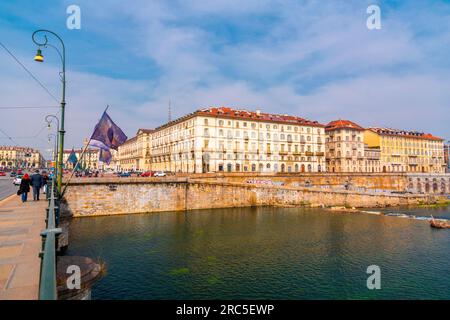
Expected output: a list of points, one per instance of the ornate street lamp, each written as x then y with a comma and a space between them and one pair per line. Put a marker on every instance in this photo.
40, 58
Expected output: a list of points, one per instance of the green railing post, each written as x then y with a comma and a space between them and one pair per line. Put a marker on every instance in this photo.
47, 283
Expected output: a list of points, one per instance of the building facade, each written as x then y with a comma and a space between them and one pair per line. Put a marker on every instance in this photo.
20, 157
225, 139
346, 150
87, 161
135, 153
447, 157
407, 151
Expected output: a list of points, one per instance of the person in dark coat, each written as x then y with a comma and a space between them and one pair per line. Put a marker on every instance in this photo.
24, 187
36, 182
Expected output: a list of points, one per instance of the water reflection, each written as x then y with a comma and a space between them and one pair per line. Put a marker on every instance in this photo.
264, 253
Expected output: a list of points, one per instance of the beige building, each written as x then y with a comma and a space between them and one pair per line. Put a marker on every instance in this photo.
345, 147
90, 159
372, 159
226, 139
346, 150
20, 157
135, 153
407, 151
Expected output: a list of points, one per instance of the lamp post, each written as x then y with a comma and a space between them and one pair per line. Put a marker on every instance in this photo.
48, 119
40, 58
55, 149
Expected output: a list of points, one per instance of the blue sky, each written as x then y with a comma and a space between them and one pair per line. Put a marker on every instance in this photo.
314, 59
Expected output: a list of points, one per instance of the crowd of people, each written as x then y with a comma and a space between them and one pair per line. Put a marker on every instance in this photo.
35, 182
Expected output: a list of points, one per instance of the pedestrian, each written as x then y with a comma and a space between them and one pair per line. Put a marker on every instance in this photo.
24, 187
36, 182
45, 181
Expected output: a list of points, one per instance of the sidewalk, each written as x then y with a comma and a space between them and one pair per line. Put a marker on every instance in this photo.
20, 244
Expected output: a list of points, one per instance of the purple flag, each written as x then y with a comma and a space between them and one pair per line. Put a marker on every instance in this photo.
107, 134
105, 156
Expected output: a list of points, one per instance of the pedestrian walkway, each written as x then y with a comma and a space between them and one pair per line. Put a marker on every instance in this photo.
20, 244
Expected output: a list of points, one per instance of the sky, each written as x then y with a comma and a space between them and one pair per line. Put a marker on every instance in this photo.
313, 59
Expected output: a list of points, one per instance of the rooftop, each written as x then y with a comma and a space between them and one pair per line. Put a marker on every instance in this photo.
17, 148
227, 112
404, 133
342, 124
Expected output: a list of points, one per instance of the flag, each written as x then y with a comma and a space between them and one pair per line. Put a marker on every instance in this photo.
72, 157
107, 135
105, 156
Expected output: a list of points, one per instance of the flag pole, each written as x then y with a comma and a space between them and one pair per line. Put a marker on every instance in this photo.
81, 157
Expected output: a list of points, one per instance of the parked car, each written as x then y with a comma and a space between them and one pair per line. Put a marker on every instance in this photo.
12, 174
124, 174
2, 174
18, 179
160, 174
147, 174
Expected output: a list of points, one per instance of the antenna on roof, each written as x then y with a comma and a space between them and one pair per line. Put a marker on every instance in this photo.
170, 111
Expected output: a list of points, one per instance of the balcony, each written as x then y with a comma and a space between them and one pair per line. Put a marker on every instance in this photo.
309, 153
320, 154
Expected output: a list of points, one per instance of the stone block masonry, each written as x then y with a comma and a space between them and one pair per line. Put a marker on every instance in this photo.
109, 196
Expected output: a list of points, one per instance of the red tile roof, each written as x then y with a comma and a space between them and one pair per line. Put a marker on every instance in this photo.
405, 134
16, 148
230, 113
342, 124
257, 116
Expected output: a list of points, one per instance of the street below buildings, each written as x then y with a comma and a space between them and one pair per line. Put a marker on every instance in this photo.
6, 187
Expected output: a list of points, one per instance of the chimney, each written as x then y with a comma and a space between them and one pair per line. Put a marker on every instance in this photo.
258, 112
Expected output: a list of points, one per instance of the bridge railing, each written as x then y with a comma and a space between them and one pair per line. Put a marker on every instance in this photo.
47, 283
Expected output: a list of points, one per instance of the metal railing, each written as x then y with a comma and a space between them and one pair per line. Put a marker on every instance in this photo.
47, 283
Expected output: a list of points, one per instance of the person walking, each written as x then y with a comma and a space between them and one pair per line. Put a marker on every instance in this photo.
36, 182
45, 181
24, 187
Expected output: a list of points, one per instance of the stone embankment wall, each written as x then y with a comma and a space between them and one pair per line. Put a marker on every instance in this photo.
108, 196
385, 181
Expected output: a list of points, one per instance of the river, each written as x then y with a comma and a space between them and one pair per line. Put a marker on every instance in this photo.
266, 253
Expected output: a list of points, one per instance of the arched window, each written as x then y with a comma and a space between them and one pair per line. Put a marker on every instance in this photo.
309, 168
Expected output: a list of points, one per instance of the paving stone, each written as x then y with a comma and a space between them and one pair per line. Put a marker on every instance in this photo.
20, 244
